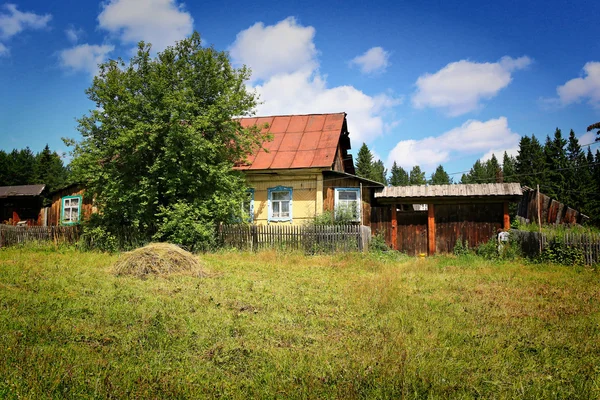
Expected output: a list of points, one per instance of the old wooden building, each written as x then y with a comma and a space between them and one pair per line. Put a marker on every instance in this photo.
21, 204
473, 213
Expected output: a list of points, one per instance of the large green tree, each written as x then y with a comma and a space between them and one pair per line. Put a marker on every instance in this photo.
379, 172
50, 170
399, 176
158, 149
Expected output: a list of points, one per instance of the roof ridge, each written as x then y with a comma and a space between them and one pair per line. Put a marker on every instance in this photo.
292, 115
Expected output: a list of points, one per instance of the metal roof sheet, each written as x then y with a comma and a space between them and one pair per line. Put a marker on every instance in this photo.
470, 190
299, 141
22, 190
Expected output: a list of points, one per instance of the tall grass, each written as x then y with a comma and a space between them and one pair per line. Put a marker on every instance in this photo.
286, 325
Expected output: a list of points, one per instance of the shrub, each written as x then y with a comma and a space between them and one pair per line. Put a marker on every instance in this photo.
187, 226
378, 244
558, 253
461, 248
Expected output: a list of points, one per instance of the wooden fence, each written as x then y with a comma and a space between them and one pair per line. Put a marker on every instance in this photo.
587, 243
311, 239
11, 235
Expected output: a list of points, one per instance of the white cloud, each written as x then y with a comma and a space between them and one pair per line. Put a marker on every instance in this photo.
16, 21
160, 22
374, 60
283, 48
295, 86
587, 138
472, 137
459, 87
74, 34
500, 154
587, 87
85, 57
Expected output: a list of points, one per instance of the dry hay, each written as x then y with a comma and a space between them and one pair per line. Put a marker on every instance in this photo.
158, 259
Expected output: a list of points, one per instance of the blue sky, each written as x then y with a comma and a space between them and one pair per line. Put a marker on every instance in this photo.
428, 83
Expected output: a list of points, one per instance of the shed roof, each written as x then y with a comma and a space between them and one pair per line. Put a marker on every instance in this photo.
21, 191
470, 190
299, 141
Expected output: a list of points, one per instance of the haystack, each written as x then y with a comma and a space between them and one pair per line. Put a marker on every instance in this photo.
158, 259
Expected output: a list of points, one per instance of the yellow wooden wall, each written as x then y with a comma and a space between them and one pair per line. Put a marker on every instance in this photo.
307, 195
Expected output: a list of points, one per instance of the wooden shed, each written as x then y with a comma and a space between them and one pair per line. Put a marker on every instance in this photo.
429, 219
21, 204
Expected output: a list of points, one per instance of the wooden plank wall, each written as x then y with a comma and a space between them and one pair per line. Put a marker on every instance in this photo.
552, 211
55, 207
366, 196
381, 223
412, 232
475, 223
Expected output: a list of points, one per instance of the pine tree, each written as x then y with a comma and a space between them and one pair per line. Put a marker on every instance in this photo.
379, 172
4, 169
508, 168
556, 163
492, 170
50, 170
364, 162
440, 177
399, 176
529, 163
417, 177
477, 174
22, 166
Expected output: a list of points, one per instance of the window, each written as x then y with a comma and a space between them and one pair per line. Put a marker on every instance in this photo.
71, 210
347, 203
280, 203
248, 205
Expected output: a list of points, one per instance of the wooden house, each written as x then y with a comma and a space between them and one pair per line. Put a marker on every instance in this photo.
305, 170
68, 206
473, 213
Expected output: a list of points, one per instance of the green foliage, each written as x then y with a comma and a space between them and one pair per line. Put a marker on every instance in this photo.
189, 226
399, 176
492, 250
417, 177
364, 162
378, 244
341, 216
461, 247
23, 167
557, 252
368, 168
379, 172
440, 177
162, 140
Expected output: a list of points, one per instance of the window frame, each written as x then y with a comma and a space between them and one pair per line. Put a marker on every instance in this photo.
277, 189
250, 194
358, 201
62, 209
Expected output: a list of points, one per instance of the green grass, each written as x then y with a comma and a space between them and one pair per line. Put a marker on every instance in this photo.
277, 325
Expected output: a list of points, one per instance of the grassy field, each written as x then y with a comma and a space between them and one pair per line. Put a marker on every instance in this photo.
282, 325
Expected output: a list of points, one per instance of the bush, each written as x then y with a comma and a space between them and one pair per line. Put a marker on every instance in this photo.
378, 244
461, 248
558, 253
185, 225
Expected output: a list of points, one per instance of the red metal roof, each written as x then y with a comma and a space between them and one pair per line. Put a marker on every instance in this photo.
299, 141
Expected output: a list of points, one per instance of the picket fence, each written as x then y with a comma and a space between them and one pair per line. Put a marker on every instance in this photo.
587, 243
309, 238
12, 235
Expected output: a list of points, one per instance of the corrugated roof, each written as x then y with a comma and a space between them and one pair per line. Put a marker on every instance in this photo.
299, 141
471, 190
22, 190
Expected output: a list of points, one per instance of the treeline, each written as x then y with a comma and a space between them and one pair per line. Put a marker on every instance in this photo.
24, 167
368, 168
560, 166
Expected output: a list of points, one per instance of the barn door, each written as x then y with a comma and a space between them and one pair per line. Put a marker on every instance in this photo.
412, 232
